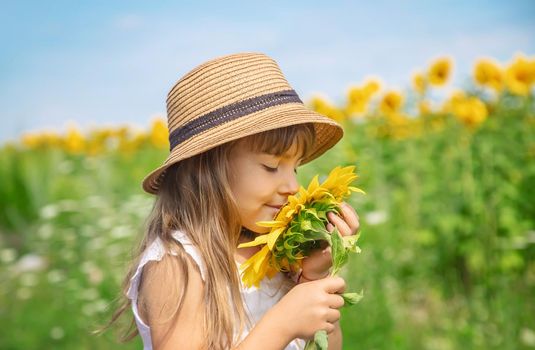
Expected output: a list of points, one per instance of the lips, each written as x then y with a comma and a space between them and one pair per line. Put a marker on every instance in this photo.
274, 206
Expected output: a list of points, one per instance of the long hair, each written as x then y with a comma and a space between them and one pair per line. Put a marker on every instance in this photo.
195, 198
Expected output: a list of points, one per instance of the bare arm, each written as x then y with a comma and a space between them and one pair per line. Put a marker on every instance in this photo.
161, 290
299, 314
307, 308
335, 338
159, 294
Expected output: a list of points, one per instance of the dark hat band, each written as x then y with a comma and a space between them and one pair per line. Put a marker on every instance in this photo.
230, 112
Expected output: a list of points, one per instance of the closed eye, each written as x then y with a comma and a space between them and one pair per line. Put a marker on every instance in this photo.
270, 169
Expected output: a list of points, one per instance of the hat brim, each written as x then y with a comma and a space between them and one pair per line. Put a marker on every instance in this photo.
328, 133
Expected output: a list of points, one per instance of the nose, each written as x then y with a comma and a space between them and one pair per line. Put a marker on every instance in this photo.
289, 185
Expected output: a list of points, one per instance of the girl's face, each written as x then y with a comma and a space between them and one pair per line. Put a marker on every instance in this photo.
262, 182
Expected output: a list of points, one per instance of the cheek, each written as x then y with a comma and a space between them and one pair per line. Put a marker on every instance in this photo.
252, 186
249, 200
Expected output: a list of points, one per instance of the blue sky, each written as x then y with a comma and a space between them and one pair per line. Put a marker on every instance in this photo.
112, 62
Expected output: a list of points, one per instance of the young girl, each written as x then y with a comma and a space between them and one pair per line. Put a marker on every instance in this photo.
237, 134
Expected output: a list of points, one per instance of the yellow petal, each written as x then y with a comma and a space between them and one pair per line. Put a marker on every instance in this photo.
313, 184
356, 189
260, 259
273, 235
276, 223
257, 241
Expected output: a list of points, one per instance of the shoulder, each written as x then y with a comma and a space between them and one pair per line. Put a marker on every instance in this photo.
168, 279
171, 297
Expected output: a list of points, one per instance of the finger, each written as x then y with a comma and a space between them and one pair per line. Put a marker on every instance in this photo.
324, 251
333, 315
350, 216
350, 208
329, 227
336, 301
334, 284
340, 224
328, 327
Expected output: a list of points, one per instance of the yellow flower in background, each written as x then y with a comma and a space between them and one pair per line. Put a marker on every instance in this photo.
128, 144
74, 142
357, 102
51, 138
99, 140
371, 87
44, 139
488, 73
419, 83
391, 103
424, 107
121, 132
399, 126
520, 76
96, 141
440, 71
358, 98
323, 107
31, 140
159, 135
470, 111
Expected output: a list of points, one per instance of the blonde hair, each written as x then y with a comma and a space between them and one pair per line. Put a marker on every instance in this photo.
195, 198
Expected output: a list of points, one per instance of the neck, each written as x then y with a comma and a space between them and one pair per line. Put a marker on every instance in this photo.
248, 234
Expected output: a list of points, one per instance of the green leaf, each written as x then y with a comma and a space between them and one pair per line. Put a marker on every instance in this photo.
321, 340
311, 213
338, 252
316, 236
319, 226
350, 243
306, 225
310, 345
288, 246
352, 298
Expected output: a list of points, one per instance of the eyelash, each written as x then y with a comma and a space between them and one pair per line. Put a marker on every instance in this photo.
270, 169
274, 170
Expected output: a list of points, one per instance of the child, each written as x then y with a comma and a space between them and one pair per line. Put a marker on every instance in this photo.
237, 133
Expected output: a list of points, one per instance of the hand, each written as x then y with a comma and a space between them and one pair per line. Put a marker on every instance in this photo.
310, 307
348, 224
318, 263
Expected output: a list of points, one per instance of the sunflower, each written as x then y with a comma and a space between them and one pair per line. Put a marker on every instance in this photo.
440, 71
159, 135
489, 73
391, 103
419, 82
469, 110
520, 76
298, 227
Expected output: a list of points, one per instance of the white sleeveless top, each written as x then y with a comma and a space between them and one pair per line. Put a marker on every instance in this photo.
257, 300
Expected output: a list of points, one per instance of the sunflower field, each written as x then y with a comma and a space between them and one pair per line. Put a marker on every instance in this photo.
447, 225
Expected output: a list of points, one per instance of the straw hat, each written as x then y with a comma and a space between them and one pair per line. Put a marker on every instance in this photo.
231, 97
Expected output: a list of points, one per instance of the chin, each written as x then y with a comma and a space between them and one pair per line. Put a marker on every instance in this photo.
258, 229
